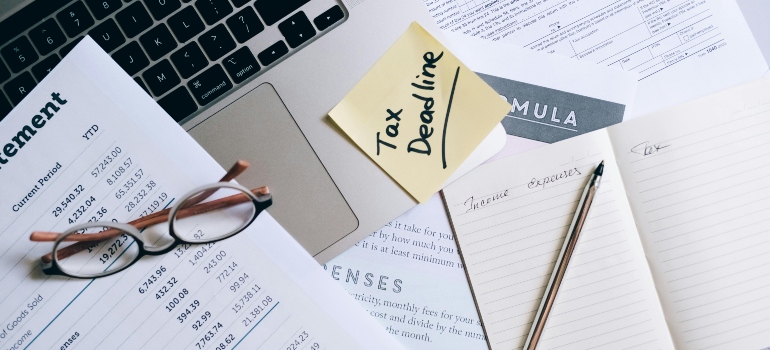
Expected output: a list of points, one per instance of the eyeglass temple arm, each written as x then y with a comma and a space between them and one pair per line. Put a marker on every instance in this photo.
238, 168
86, 240
42, 236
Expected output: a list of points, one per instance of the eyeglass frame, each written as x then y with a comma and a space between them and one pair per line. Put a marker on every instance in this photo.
260, 204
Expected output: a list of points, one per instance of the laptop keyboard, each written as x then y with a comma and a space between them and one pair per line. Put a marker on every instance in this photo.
184, 53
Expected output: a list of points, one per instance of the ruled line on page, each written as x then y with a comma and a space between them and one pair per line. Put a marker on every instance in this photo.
702, 205
509, 248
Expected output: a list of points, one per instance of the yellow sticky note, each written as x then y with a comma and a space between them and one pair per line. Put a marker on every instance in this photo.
419, 112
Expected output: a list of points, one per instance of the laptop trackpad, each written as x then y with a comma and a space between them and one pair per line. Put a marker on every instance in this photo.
258, 128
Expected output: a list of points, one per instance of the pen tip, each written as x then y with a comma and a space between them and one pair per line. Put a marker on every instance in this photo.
599, 169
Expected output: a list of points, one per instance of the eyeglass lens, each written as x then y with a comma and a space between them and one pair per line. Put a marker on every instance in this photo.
215, 224
100, 258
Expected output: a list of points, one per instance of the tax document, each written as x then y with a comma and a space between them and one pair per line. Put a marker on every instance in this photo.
88, 144
681, 49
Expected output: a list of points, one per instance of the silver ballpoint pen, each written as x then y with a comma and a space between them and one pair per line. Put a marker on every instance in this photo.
560, 268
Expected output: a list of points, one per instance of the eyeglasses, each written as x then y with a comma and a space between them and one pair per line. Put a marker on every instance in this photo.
98, 249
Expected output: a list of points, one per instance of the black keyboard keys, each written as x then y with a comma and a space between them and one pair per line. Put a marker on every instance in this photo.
186, 24
217, 42
241, 65
107, 35
19, 87
189, 60
134, 19
214, 10
19, 54
158, 41
273, 53
162, 8
161, 77
273, 11
4, 73
5, 107
297, 29
103, 8
131, 58
75, 19
239, 3
45, 66
47, 36
209, 85
245, 24
329, 17
178, 104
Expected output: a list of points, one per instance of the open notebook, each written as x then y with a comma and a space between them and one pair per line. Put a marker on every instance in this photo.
676, 251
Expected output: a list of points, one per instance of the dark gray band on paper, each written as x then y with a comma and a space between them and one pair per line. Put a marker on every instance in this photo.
549, 115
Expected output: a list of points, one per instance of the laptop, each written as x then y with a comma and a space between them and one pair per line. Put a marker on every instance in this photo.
248, 79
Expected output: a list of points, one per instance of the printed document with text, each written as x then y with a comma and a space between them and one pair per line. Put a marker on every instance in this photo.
88, 144
681, 49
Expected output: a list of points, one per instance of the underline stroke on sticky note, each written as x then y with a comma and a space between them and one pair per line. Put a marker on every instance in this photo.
389, 113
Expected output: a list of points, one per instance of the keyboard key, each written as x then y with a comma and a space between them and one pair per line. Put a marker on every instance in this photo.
273, 53
19, 54
329, 17
186, 24
297, 29
178, 104
217, 42
47, 36
75, 19
5, 107
139, 81
189, 60
245, 24
209, 85
214, 10
107, 35
131, 58
45, 66
239, 3
134, 19
162, 8
241, 65
158, 42
103, 8
161, 77
67, 48
19, 87
273, 11
4, 73
26, 17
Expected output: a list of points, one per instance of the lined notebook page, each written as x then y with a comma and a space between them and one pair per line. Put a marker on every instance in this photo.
698, 179
510, 218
